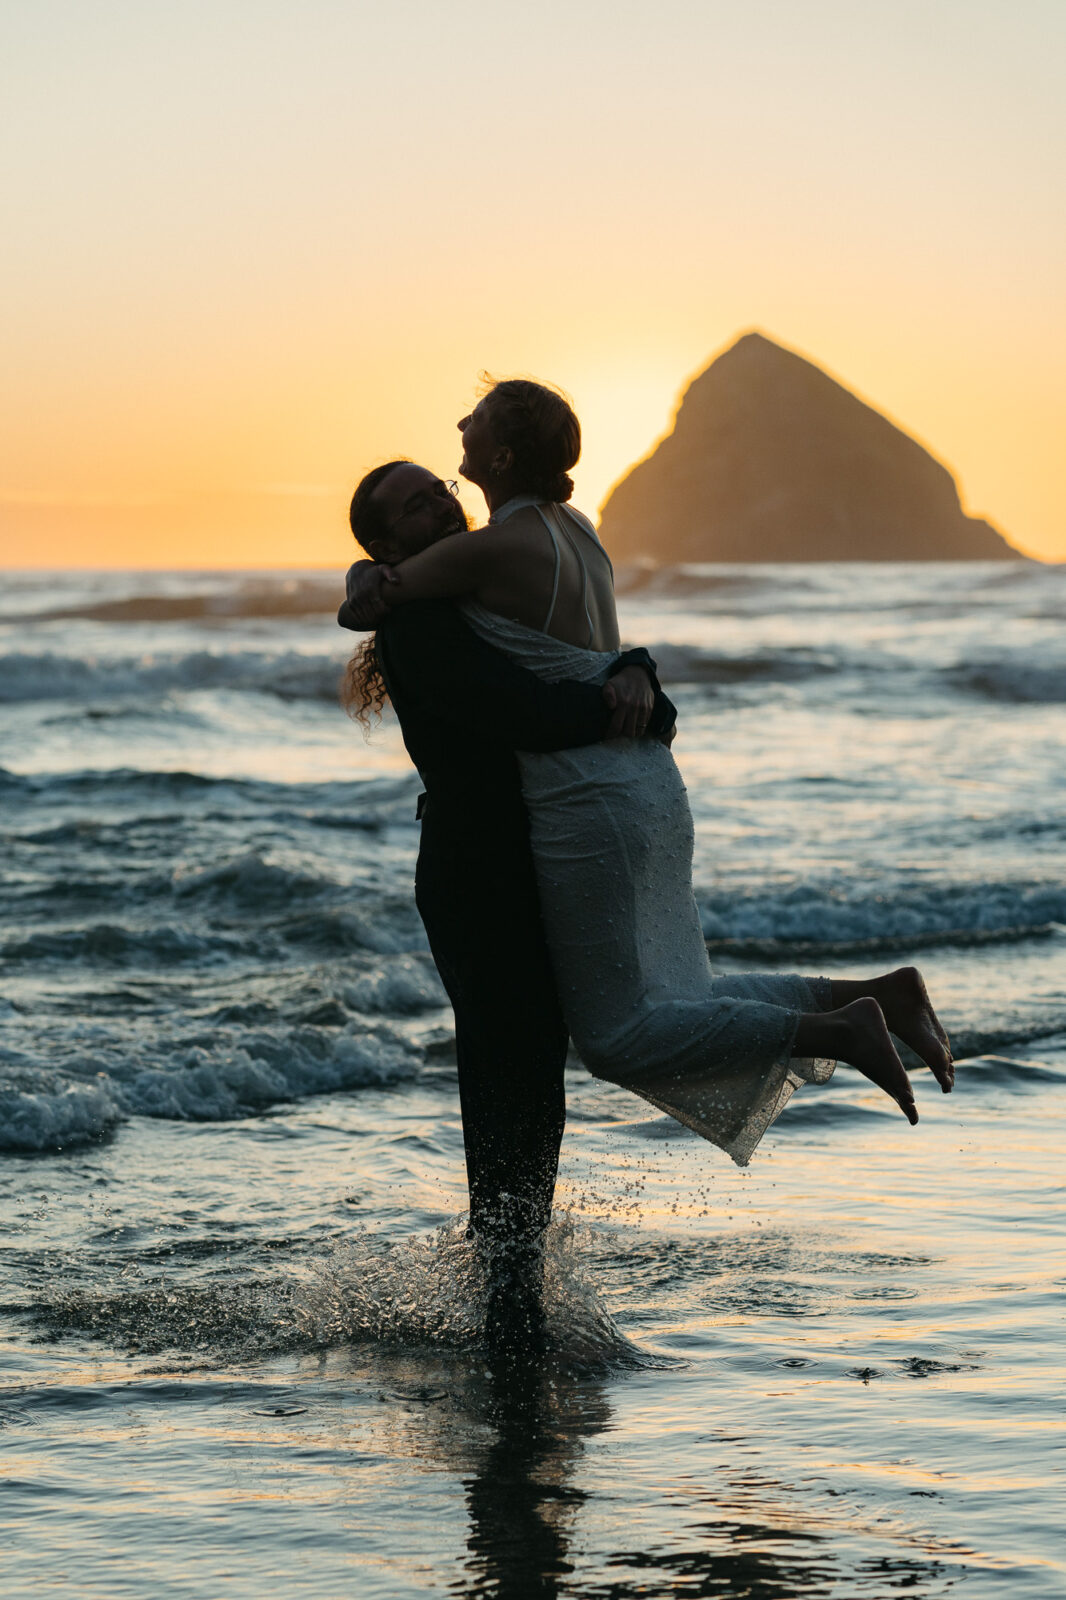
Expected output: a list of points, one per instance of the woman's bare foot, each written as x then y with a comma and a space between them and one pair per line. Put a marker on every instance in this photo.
908, 1012
858, 1034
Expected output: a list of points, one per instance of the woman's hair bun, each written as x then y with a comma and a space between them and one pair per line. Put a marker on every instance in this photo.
540, 428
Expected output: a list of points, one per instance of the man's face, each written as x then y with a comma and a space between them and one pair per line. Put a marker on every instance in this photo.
418, 509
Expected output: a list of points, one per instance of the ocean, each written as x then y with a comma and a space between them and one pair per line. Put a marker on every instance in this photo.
239, 1340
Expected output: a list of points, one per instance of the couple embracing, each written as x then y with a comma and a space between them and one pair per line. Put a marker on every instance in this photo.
555, 868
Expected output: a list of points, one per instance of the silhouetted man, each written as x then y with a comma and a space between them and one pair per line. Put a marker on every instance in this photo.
464, 709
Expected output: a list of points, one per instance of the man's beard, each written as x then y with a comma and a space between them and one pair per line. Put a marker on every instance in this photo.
460, 523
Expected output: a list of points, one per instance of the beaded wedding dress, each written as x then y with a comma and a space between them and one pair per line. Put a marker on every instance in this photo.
612, 840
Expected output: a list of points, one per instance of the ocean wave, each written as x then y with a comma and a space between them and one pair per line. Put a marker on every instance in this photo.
853, 1101
391, 926
110, 687
1019, 681
690, 664
810, 919
394, 985
285, 597
287, 675
116, 782
250, 882
83, 892
375, 799
691, 580
226, 1079
119, 945
1018, 1076
405, 986
984, 1044
221, 1075
47, 1111
380, 925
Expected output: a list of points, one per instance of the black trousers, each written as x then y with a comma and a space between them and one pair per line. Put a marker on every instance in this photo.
478, 900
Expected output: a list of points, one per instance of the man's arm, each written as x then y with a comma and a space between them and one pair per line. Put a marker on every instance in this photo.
437, 661
633, 715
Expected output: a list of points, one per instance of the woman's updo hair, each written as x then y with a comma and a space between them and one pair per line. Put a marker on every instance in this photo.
540, 429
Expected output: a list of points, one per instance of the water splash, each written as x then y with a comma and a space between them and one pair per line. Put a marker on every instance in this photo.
421, 1293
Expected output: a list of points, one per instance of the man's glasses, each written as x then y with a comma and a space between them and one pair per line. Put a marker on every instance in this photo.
422, 501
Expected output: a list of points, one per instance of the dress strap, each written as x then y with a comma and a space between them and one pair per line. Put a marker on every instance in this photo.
558, 517
584, 586
555, 578
582, 522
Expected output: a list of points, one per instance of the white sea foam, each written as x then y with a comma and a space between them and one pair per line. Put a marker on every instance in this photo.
42, 1110
224, 1075
405, 986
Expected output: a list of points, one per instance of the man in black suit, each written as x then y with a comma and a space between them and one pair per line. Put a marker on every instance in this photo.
464, 709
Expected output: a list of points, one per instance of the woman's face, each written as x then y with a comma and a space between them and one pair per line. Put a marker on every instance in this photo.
480, 447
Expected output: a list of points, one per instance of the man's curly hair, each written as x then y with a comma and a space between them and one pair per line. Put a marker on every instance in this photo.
363, 693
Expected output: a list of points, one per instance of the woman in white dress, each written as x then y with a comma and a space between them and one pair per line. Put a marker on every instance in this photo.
611, 828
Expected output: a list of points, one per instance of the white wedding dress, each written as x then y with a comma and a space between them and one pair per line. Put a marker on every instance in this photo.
612, 844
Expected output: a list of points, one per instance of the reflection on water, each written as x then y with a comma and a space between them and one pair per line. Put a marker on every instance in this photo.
521, 1499
516, 1434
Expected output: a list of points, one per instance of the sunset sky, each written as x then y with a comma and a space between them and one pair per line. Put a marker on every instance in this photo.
252, 247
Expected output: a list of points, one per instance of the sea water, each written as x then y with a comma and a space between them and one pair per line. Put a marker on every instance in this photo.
241, 1348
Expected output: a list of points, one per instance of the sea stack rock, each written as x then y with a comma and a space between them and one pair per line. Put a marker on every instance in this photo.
772, 460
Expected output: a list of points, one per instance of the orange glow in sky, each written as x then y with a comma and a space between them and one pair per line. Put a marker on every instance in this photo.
251, 248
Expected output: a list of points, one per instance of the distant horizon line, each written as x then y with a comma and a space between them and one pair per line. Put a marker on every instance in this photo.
855, 561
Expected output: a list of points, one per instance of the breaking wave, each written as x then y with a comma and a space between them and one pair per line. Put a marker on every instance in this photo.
288, 675
813, 919
1020, 681
679, 664
215, 1074
284, 597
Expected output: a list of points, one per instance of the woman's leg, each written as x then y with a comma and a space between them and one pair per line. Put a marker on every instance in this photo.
901, 995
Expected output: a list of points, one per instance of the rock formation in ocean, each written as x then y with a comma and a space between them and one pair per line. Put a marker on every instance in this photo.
772, 460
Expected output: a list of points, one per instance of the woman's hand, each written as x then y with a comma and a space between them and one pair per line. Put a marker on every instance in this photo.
364, 607
631, 699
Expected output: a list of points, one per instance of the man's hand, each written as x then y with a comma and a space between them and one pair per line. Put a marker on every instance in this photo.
631, 699
364, 608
